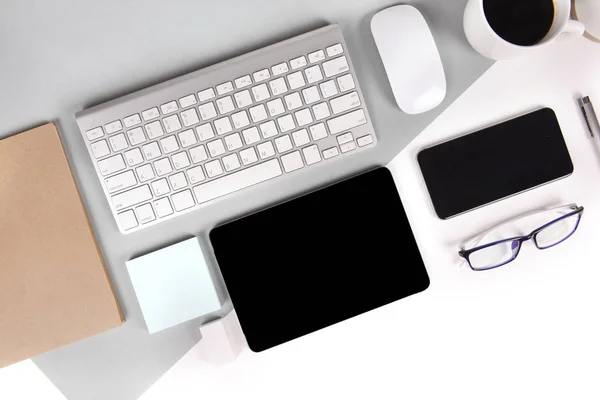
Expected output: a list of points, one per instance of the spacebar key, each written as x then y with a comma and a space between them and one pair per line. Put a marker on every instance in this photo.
346, 121
239, 180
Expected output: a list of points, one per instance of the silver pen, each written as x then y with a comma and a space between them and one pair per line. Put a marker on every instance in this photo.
591, 119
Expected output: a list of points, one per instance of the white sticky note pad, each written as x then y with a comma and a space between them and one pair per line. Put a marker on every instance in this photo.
173, 285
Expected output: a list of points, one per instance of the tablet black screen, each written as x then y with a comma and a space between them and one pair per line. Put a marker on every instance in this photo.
319, 259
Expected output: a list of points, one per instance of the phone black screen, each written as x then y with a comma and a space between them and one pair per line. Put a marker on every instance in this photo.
495, 163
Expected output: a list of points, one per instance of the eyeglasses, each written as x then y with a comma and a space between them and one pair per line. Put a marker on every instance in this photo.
563, 223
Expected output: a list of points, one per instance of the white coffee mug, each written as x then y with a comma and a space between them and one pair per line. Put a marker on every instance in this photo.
487, 42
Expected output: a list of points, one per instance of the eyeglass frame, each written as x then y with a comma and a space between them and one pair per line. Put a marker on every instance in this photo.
522, 239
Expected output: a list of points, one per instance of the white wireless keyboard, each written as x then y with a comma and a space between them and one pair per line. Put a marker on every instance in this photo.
168, 149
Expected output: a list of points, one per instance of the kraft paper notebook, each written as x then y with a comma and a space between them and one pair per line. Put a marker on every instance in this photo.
54, 289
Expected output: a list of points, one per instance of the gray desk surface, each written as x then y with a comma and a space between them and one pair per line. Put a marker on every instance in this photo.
63, 56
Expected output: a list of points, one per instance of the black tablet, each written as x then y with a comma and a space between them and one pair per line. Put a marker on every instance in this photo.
319, 259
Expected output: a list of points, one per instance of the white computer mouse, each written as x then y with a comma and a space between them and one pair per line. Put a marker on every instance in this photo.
410, 57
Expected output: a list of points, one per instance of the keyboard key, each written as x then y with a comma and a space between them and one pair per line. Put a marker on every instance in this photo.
346, 147
151, 151
321, 111
278, 86
183, 200
136, 136
265, 150
292, 161
225, 105
187, 138
268, 129
345, 138
260, 92
261, 75
100, 149
364, 140
223, 126
240, 120
118, 142
213, 168
233, 142
283, 144
293, 101
127, 220
145, 173
132, 120
120, 182
163, 167
298, 62
231, 162
150, 114
160, 187
180, 160
169, 107
169, 144
154, 130
311, 154
346, 122
134, 157
311, 95
286, 123
187, 101
196, 175
334, 50
258, 113
318, 132
296, 80
279, 69
216, 148
207, 111
313, 74
178, 181
131, 197
95, 133
206, 94
243, 99
303, 117
145, 213
163, 207
301, 137
329, 153
225, 88
275, 107
243, 81
198, 154
113, 127
336, 66
251, 135
345, 103
316, 56
237, 181
328, 89
189, 117
205, 132
248, 156
172, 124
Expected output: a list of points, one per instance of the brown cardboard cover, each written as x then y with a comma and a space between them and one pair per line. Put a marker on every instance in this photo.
54, 288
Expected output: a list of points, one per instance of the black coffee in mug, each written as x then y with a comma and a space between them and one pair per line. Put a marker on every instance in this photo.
521, 22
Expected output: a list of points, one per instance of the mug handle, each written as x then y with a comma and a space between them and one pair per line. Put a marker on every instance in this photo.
573, 28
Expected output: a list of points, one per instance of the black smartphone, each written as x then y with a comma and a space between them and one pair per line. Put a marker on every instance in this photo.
495, 163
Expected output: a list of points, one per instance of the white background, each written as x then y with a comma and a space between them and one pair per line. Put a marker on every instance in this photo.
528, 330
